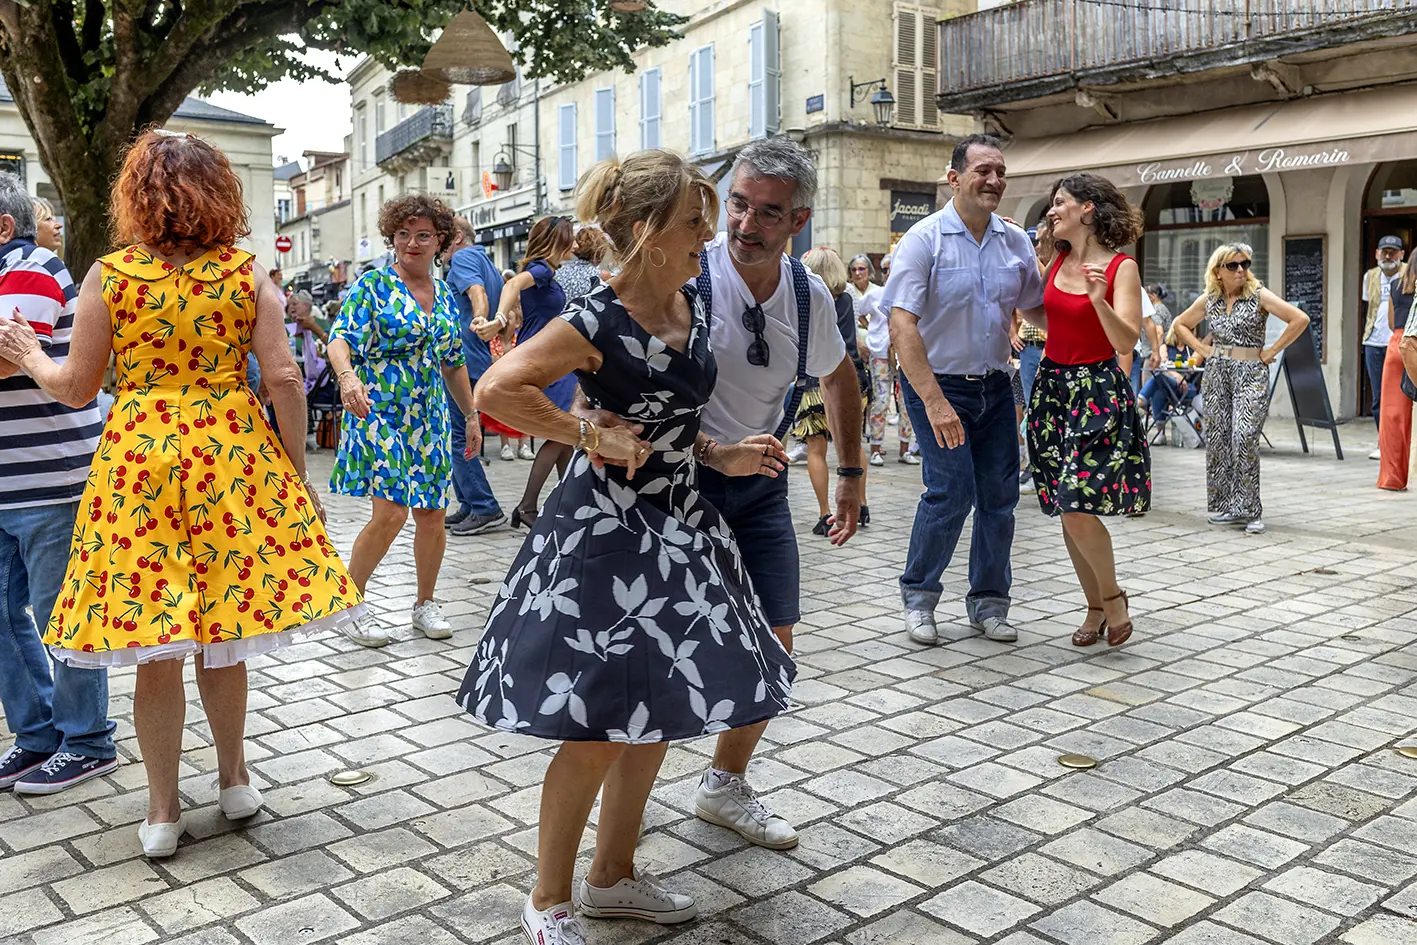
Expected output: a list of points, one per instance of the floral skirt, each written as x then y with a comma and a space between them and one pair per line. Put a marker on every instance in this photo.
1086, 442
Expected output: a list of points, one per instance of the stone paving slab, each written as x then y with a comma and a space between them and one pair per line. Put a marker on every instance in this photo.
1247, 791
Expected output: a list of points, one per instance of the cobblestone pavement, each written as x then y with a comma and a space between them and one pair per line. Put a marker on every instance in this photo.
1247, 790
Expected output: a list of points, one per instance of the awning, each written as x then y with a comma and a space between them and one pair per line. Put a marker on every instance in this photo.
1328, 131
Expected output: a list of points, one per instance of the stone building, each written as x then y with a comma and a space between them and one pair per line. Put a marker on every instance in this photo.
1287, 125
321, 225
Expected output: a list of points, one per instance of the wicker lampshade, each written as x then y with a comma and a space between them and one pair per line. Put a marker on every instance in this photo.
413, 87
469, 53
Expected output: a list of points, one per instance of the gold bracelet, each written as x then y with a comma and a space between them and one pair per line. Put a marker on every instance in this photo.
584, 442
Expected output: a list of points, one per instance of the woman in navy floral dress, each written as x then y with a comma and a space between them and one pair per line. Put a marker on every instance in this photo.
393, 346
627, 619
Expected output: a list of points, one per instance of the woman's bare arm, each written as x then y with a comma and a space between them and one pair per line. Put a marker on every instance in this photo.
512, 388
279, 373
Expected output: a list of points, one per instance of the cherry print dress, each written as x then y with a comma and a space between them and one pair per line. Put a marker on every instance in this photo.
194, 533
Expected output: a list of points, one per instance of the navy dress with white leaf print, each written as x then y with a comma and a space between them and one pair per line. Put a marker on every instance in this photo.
627, 616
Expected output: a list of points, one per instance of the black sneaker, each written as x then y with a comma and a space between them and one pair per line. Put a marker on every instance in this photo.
453, 518
18, 762
64, 770
865, 516
477, 524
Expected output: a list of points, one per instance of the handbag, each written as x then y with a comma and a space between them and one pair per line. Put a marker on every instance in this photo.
327, 429
1408, 387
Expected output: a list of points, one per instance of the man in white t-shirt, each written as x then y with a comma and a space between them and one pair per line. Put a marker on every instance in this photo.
757, 296
1378, 325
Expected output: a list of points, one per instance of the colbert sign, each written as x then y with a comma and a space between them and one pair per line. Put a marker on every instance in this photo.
908, 209
1236, 165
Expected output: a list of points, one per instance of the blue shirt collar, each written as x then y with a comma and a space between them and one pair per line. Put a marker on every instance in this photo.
951, 223
17, 241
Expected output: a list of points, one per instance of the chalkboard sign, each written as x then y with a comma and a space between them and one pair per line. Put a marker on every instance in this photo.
1307, 391
1304, 282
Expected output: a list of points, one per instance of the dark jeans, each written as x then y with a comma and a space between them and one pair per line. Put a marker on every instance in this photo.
981, 474
756, 510
1373, 357
470, 483
1162, 393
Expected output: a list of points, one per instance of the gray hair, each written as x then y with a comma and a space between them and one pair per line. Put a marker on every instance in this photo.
870, 266
781, 157
300, 295
16, 204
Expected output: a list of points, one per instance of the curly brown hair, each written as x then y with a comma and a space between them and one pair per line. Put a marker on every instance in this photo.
177, 190
398, 211
1115, 222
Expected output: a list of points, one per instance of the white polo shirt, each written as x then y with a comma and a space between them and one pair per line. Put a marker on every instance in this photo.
748, 399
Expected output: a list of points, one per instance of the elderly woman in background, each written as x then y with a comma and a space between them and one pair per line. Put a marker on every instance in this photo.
395, 349
1236, 305
542, 299
582, 271
48, 232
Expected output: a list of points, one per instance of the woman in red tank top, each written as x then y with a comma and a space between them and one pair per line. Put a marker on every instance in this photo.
1086, 441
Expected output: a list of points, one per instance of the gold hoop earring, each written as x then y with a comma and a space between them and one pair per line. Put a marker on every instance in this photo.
662, 258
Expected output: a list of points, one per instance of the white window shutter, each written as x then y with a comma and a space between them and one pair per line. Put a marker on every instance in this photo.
772, 72
649, 109
906, 67
694, 102
704, 120
566, 140
604, 123
757, 105
929, 61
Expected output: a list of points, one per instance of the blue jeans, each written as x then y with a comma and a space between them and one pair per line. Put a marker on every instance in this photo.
1028, 360
470, 483
1373, 357
981, 474
1162, 392
68, 710
1135, 376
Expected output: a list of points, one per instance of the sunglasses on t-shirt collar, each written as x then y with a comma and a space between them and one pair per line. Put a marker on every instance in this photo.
756, 321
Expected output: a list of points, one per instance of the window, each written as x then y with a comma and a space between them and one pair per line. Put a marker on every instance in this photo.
283, 209
701, 128
379, 113
566, 146
649, 109
401, 111
477, 163
472, 114
364, 215
914, 69
764, 77
339, 184
302, 257
604, 123
363, 126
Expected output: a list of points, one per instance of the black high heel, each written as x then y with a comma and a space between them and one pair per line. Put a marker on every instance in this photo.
865, 515
822, 525
523, 518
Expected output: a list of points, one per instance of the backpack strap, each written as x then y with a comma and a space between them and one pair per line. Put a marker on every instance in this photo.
704, 283
803, 293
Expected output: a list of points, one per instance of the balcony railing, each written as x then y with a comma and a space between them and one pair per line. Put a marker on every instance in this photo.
1041, 39
431, 125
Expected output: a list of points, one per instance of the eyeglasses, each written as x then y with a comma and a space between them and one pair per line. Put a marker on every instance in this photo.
755, 321
767, 216
422, 238
1241, 264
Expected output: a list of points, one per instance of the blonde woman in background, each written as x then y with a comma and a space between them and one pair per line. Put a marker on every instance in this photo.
1236, 305
48, 232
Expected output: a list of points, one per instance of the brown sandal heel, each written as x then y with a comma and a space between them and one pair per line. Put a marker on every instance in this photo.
1116, 636
1085, 637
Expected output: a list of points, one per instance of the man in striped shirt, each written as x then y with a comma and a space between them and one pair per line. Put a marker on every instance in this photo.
59, 714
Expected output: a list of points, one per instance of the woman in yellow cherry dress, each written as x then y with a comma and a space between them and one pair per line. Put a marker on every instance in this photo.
198, 532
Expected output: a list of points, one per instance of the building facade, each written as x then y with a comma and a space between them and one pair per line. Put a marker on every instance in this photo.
1291, 130
246, 142
321, 225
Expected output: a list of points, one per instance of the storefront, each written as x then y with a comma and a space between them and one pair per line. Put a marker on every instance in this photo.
502, 223
1319, 179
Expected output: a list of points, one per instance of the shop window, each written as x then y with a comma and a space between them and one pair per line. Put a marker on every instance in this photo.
1394, 186
1186, 221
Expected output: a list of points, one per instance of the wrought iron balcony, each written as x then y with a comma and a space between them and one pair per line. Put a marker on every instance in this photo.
1034, 48
425, 134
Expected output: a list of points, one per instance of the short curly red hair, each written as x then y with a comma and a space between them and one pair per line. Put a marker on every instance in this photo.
177, 190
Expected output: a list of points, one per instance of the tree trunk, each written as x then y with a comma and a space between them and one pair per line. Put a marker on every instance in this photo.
86, 233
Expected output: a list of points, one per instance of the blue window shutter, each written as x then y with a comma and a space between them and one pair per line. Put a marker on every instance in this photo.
772, 72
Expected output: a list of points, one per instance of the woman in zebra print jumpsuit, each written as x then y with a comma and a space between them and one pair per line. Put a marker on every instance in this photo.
1236, 379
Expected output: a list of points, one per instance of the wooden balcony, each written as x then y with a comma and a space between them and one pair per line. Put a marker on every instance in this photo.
1036, 48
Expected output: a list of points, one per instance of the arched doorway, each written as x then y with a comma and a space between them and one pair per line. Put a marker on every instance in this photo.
1389, 209
1187, 220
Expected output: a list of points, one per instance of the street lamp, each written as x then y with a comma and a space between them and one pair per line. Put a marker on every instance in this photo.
502, 172
882, 103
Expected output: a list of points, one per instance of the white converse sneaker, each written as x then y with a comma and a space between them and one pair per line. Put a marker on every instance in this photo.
526, 452
160, 840
997, 629
366, 631
641, 896
555, 926
507, 454
737, 807
920, 624
428, 619
909, 459
878, 459
239, 802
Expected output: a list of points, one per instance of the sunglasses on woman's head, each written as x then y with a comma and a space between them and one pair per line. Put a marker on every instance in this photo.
1240, 264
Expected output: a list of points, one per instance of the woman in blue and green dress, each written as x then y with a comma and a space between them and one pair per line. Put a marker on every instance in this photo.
393, 347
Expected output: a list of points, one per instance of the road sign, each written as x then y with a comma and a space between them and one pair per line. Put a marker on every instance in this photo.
283, 244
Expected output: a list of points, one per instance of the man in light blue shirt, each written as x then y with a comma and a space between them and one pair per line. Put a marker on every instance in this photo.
956, 279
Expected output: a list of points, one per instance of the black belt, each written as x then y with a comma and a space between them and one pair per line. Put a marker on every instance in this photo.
1034, 344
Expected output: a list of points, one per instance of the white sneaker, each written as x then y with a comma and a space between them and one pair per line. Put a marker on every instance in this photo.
893, 419
920, 624
1376, 454
641, 896
796, 453
910, 459
555, 926
1254, 527
878, 459
996, 629
507, 454
737, 807
366, 631
239, 802
160, 840
526, 452
428, 619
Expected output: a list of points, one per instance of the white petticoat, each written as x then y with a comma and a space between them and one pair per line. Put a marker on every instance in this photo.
214, 655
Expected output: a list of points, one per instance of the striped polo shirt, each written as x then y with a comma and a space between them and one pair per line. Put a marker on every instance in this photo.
45, 447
